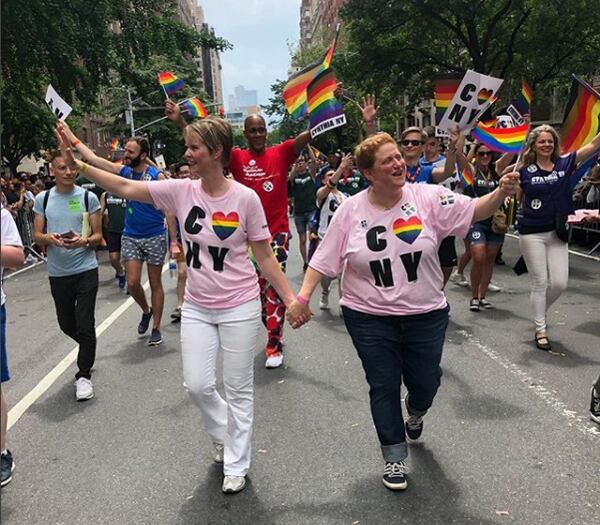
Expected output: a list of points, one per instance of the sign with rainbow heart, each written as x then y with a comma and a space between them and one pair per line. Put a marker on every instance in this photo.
225, 225
475, 94
408, 230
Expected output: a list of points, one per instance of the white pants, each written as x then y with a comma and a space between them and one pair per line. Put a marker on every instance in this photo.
547, 259
235, 331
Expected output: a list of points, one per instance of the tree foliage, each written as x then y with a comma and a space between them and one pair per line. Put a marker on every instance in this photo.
79, 47
399, 47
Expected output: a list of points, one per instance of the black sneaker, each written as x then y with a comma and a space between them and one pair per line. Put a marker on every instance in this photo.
145, 323
595, 406
499, 260
394, 475
155, 338
7, 466
413, 425
474, 305
484, 303
304, 267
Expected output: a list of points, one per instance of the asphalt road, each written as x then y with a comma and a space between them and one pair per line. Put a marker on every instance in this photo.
508, 440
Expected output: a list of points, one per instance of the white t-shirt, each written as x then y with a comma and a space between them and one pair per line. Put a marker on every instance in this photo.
10, 237
388, 259
331, 203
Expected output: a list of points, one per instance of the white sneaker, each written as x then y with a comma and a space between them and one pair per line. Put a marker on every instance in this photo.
459, 279
274, 361
84, 389
324, 301
494, 287
219, 452
233, 484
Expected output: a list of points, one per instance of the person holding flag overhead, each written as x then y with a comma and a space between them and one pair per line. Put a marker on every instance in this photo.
547, 182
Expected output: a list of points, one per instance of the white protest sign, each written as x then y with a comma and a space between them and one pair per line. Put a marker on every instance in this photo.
328, 124
56, 104
505, 121
515, 114
160, 161
474, 95
441, 133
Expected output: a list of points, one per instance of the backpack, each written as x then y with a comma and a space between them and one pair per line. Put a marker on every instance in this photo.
45, 205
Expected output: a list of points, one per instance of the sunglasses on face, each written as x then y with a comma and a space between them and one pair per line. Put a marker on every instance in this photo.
484, 153
412, 143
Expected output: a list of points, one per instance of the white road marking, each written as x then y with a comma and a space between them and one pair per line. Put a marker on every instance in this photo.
15, 413
579, 422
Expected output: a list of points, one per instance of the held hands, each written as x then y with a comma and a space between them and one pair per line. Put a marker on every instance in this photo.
368, 109
456, 141
298, 314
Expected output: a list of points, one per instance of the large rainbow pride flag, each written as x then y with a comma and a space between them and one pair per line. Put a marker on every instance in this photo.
325, 111
582, 116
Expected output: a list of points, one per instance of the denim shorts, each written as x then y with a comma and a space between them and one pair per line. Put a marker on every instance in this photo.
481, 233
302, 220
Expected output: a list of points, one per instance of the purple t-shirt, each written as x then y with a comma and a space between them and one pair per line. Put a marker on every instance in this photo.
546, 194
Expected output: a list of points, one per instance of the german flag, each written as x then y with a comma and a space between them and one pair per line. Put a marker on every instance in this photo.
582, 116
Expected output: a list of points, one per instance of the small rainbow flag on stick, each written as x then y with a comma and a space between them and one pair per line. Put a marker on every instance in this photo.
170, 83
325, 111
195, 107
444, 90
524, 98
466, 177
506, 140
582, 116
115, 145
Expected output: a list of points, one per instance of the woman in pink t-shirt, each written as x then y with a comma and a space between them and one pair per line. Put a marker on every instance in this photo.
384, 241
220, 218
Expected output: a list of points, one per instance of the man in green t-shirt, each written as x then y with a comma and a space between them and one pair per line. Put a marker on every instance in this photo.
303, 192
113, 211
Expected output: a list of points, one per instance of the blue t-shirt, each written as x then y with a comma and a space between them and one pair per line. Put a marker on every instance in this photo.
64, 212
546, 194
419, 174
141, 219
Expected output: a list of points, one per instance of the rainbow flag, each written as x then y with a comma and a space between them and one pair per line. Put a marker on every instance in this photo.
582, 116
170, 83
466, 177
195, 107
443, 93
325, 111
524, 98
294, 92
506, 140
115, 145
490, 122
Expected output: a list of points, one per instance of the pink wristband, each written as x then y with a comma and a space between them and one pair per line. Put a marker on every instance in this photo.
301, 299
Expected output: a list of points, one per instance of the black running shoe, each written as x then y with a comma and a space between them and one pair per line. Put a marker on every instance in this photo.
155, 338
595, 406
394, 475
474, 305
7, 466
145, 323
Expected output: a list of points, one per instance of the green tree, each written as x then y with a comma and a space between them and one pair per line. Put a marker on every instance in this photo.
79, 47
397, 48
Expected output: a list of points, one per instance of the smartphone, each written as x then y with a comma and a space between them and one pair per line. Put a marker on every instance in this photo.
67, 235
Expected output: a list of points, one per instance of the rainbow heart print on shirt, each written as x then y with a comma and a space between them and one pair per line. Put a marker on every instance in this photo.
408, 230
225, 225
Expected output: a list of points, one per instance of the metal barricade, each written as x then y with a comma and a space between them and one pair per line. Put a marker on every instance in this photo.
591, 229
24, 221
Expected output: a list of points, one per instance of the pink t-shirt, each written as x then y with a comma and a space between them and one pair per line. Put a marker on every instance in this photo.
215, 234
388, 259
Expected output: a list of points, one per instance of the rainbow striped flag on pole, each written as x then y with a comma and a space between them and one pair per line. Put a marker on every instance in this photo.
195, 108
170, 83
294, 92
524, 98
325, 111
443, 93
506, 140
115, 145
582, 116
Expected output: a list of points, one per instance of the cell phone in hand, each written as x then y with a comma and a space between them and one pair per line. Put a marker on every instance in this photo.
67, 235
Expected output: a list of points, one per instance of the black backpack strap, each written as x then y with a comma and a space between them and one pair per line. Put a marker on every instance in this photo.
86, 200
45, 203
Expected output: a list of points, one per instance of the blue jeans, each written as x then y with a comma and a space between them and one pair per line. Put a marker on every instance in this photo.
393, 349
